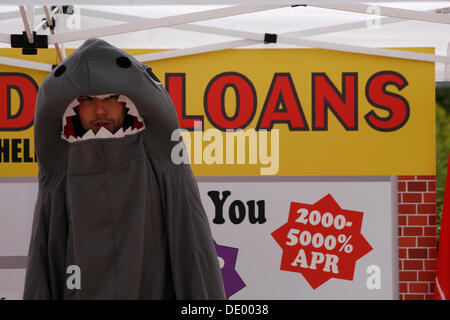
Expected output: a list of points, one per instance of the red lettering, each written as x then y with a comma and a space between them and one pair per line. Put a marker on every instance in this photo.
176, 88
214, 101
282, 93
26, 88
343, 105
396, 105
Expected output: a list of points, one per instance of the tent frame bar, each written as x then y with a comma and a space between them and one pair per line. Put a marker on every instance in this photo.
26, 23
145, 24
182, 22
425, 16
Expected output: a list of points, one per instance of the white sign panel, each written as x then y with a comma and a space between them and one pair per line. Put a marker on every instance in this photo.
325, 252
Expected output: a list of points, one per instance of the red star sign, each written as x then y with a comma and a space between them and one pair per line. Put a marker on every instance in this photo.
321, 241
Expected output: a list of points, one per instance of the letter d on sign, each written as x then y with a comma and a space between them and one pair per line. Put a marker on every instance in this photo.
16, 114
74, 280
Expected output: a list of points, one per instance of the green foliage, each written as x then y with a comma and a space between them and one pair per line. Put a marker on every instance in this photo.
442, 148
443, 98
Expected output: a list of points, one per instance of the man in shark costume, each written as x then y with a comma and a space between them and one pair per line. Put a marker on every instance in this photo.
114, 204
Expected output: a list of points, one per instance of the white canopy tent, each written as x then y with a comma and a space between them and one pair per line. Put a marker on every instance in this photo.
351, 26
192, 27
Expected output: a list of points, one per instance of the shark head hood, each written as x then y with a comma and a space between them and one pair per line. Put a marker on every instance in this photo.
113, 204
97, 68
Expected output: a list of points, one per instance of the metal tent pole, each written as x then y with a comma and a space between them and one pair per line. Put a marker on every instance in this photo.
26, 24
387, 11
156, 23
59, 51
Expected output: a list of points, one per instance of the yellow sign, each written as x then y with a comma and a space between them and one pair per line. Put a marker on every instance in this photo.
287, 112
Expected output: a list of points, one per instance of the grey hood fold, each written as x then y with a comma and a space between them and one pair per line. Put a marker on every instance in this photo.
117, 208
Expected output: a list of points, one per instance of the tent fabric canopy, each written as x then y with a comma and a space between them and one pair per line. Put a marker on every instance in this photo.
368, 28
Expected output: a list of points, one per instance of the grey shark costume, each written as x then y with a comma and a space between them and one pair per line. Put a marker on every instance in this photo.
115, 205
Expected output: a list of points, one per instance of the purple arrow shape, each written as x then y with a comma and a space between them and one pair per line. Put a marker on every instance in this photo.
231, 279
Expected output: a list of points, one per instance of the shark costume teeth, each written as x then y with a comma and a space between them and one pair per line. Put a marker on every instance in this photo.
70, 136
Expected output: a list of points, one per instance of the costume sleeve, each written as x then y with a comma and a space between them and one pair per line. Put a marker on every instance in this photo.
195, 267
45, 269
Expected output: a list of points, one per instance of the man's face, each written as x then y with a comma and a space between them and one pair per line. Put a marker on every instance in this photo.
96, 113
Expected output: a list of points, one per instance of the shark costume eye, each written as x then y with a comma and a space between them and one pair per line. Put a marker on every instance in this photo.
152, 75
60, 70
123, 62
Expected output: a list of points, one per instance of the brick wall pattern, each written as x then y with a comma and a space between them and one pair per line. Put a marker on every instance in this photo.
417, 237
